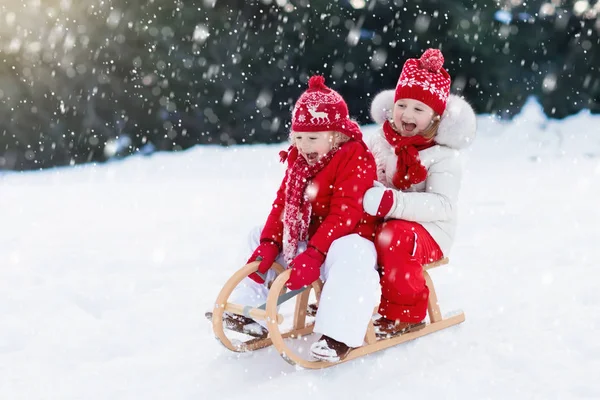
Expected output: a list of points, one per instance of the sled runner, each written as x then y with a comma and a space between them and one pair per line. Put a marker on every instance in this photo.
299, 328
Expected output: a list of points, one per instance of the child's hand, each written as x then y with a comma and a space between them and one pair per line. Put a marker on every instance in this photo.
379, 201
266, 253
306, 268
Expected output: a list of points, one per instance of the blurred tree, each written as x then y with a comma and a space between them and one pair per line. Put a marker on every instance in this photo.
83, 81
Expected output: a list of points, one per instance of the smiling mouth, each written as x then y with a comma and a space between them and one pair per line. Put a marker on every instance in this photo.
408, 127
311, 157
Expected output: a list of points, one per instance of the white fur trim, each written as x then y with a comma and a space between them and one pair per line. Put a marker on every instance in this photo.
381, 107
458, 125
457, 128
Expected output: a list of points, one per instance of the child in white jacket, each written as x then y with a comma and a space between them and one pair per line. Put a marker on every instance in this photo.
419, 172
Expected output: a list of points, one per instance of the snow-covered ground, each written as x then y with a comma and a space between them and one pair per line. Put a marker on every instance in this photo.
106, 271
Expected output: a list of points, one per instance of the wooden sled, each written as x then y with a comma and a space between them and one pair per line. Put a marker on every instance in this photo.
277, 294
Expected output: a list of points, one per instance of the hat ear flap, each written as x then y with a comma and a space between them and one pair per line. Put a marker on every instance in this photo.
382, 106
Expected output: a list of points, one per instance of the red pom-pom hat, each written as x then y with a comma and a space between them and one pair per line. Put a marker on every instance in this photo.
320, 108
425, 80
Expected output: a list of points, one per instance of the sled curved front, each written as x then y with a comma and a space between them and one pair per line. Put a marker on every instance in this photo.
299, 327
275, 334
221, 305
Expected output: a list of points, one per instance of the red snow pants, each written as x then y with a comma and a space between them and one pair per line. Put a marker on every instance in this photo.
402, 249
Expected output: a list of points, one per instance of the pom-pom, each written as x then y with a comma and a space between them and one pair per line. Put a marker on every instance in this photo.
417, 173
382, 105
432, 60
316, 82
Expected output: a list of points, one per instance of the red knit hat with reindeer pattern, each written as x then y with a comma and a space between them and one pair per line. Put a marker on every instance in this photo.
425, 80
320, 108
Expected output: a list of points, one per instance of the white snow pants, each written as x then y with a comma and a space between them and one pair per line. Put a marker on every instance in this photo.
351, 287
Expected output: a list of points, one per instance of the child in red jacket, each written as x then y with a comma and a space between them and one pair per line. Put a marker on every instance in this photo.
317, 226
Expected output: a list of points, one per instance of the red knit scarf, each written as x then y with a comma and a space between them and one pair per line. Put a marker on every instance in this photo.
409, 170
297, 210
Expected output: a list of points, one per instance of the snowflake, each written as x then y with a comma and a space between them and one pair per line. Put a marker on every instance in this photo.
409, 82
301, 118
337, 115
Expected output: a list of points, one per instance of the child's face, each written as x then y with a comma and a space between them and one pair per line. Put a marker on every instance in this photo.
412, 117
313, 145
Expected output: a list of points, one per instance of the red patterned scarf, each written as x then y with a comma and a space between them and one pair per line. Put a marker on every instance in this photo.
296, 214
409, 170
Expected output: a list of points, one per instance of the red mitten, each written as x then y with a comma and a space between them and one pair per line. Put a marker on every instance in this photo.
266, 253
379, 201
306, 268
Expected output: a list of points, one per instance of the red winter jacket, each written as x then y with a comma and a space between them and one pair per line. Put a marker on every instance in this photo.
337, 206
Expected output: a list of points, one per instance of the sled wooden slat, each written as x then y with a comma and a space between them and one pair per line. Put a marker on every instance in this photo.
382, 344
435, 264
370, 336
387, 343
433, 308
300, 310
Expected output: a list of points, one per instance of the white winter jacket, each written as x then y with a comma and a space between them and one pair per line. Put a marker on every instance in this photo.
433, 202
